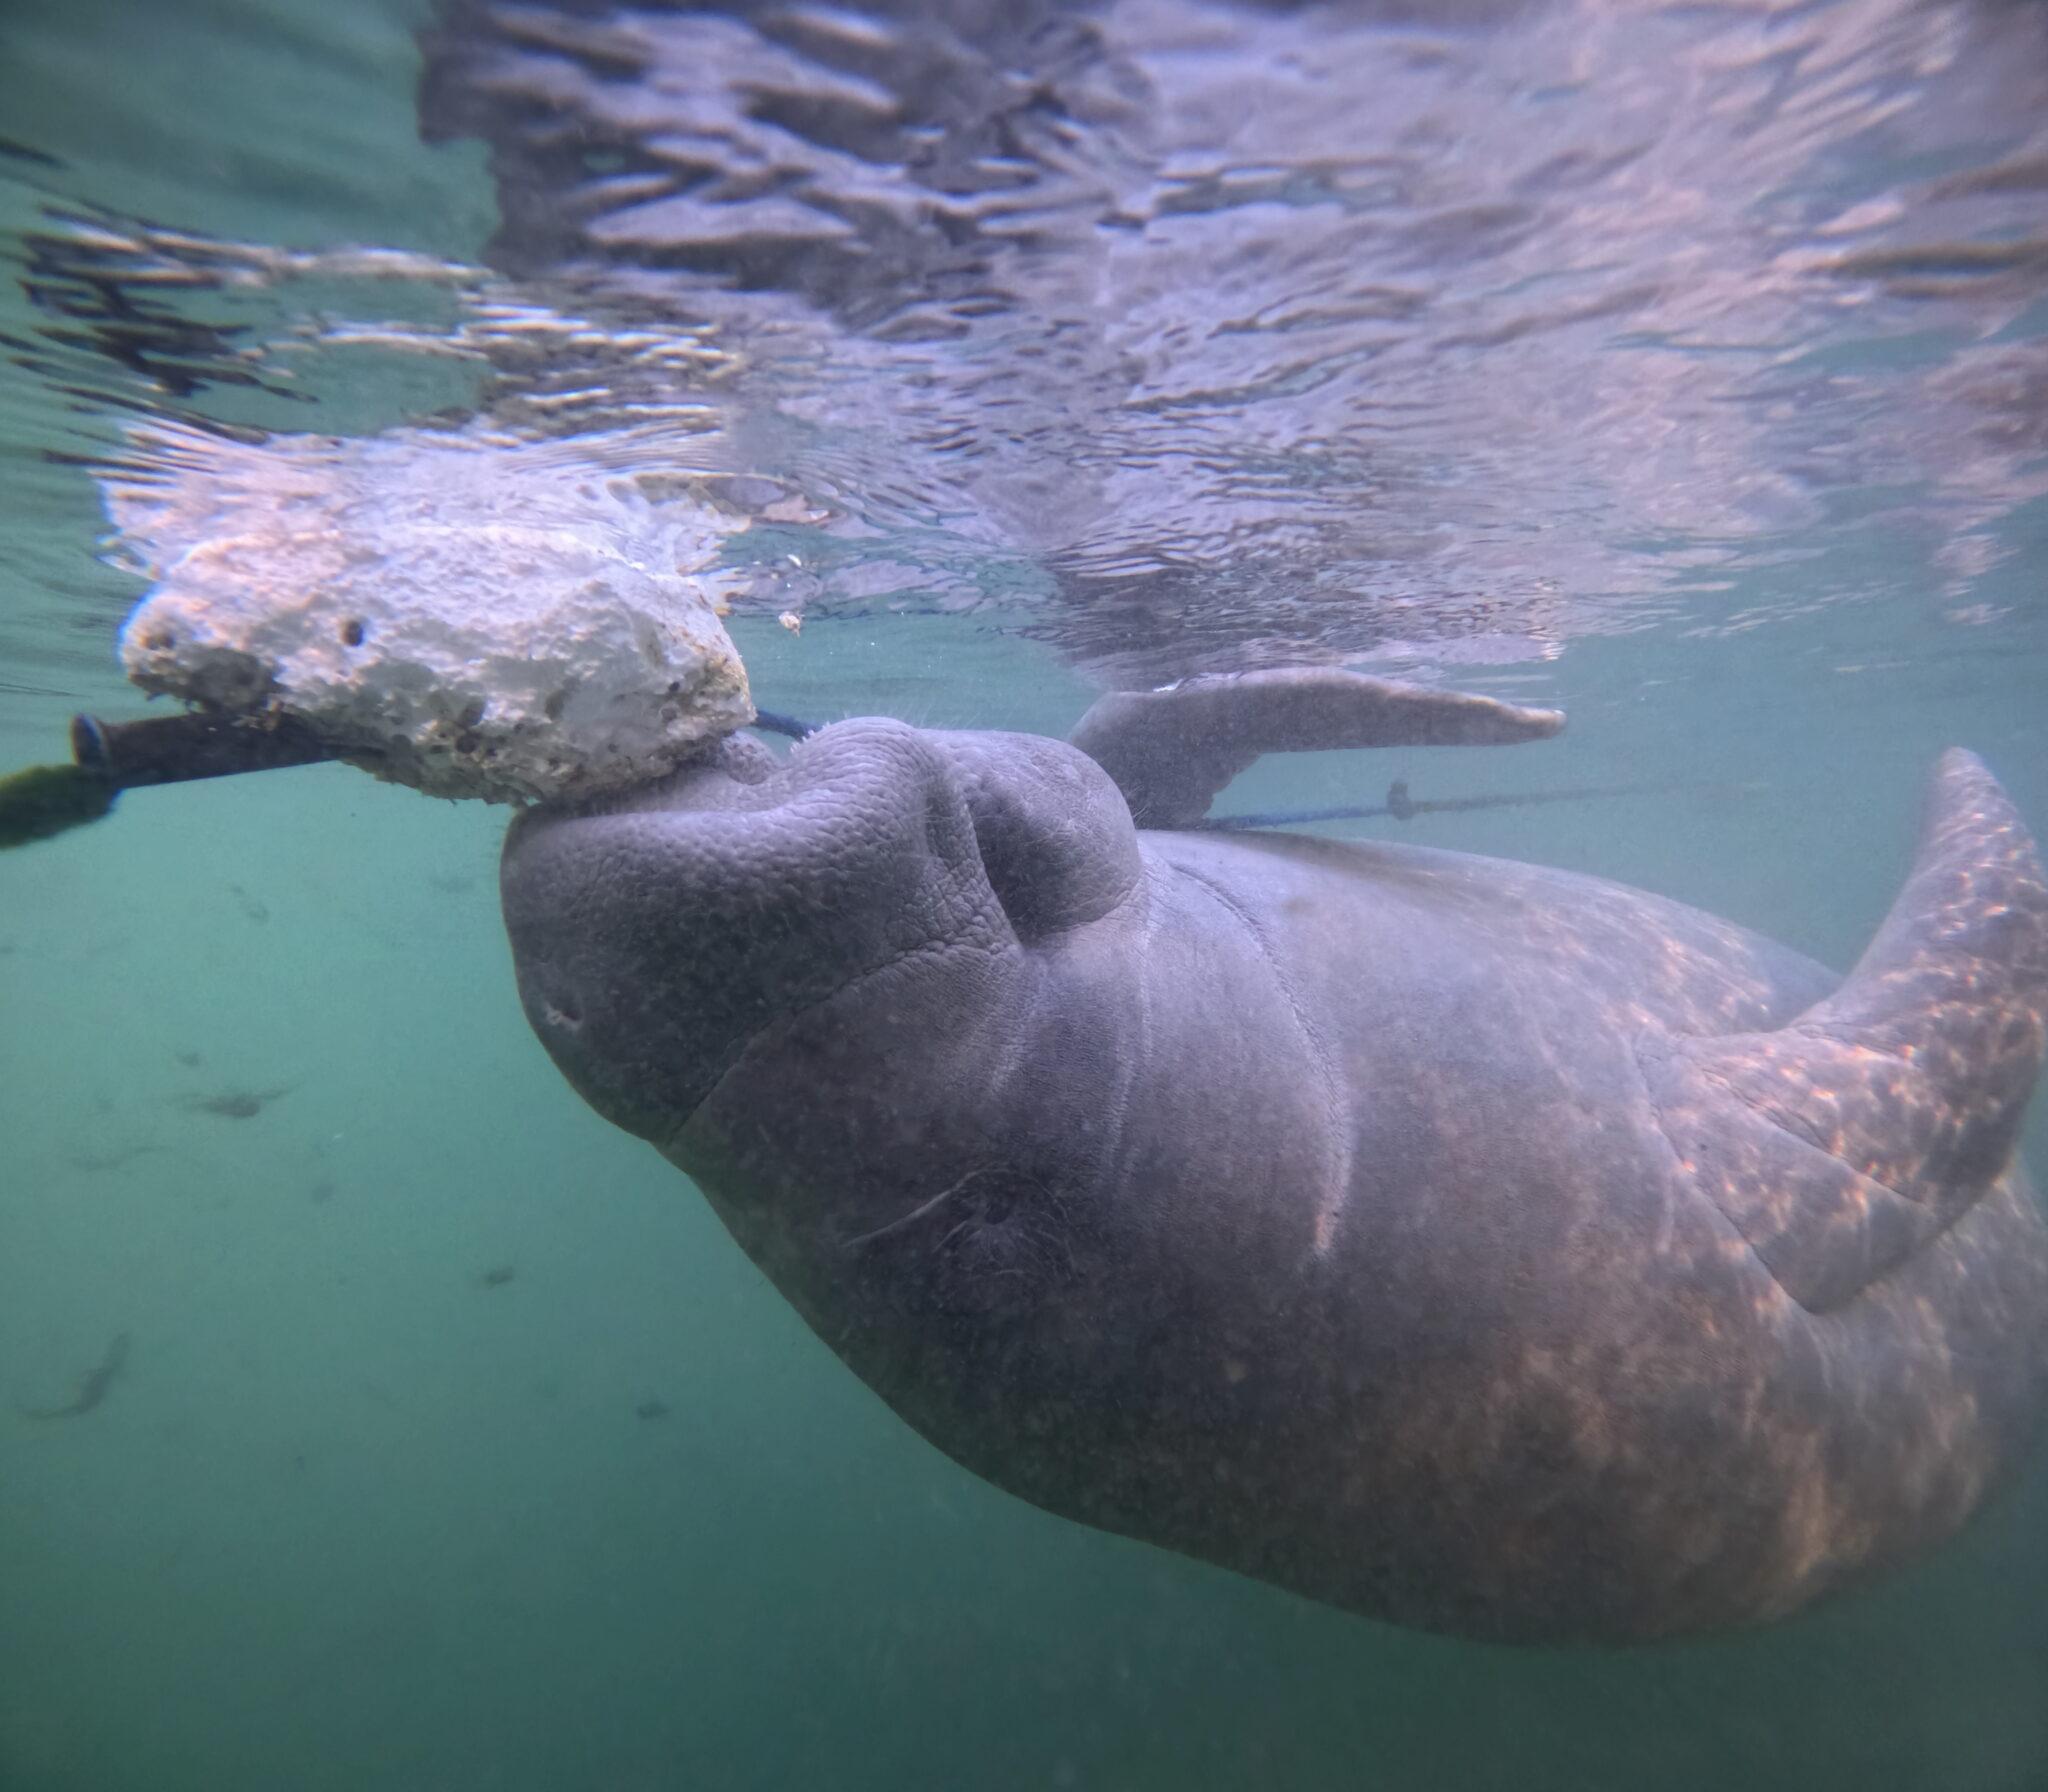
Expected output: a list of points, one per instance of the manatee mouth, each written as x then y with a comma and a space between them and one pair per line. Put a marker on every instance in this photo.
698, 781
657, 931
626, 915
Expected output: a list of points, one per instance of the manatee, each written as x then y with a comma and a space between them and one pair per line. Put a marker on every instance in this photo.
1470, 1245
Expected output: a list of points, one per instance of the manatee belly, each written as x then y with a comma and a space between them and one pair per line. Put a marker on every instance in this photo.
1389, 1290
1461, 1243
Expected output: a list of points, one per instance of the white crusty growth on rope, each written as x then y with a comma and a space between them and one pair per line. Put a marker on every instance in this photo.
473, 616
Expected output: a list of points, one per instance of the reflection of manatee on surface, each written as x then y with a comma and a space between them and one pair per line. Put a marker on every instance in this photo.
1172, 334
1263, 334
1478, 1246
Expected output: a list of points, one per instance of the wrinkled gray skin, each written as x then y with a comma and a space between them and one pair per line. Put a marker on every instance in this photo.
1471, 1245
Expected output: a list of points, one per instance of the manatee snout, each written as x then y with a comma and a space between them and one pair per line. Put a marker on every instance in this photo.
658, 932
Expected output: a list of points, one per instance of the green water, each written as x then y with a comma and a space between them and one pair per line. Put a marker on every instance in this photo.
456, 1445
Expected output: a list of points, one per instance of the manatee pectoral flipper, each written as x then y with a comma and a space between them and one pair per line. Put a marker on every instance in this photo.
1843, 1142
1172, 751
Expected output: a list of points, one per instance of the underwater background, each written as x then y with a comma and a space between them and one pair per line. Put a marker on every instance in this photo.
1684, 366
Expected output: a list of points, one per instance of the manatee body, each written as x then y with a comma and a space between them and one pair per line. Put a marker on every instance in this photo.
1471, 1245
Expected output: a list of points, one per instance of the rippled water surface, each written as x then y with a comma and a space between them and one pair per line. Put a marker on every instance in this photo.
1683, 365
